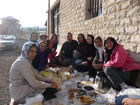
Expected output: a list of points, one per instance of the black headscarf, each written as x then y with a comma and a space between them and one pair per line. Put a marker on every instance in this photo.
92, 37
108, 52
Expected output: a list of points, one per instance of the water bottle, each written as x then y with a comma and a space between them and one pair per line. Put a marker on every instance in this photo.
98, 81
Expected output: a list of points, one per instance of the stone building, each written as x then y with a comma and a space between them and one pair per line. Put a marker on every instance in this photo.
117, 18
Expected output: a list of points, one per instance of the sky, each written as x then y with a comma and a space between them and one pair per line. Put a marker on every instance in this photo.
28, 12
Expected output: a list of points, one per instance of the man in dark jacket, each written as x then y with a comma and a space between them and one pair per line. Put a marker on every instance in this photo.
66, 52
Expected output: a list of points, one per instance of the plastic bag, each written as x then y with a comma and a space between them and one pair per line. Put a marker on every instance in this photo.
37, 100
46, 74
110, 96
130, 91
101, 99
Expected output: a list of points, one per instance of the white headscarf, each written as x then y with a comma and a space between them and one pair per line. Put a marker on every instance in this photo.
25, 49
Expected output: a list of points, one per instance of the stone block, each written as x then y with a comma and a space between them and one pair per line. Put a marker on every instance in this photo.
135, 20
111, 9
116, 23
133, 12
139, 30
135, 39
120, 31
118, 7
124, 38
125, 22
121, 14
125, 5
131, 30
134, 3
130, 46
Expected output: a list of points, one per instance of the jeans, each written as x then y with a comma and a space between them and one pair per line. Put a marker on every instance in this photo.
118, 100
76, 59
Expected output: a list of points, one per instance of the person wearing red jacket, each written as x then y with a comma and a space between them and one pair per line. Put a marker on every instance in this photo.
118, 64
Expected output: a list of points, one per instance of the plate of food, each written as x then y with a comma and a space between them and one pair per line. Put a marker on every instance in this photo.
71, 93
73, 90
85, 99
86, 83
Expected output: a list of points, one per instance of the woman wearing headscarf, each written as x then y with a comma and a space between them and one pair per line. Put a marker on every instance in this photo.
80, 52
39, 63
33, 38
98, 61
24, 81
52, 45
87, 57
118, 64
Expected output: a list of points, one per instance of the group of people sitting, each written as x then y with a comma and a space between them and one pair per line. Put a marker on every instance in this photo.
87, 55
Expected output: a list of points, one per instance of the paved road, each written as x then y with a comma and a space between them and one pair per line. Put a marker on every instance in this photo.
7, 57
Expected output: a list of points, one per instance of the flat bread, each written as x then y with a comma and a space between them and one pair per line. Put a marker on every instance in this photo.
86, 83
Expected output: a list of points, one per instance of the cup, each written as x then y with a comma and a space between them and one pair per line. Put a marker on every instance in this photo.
79, 85
91, 80
86, 77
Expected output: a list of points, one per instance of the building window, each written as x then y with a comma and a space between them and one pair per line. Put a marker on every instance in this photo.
55, 17
93, 8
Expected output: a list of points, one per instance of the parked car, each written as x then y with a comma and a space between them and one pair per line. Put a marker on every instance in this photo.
7, 41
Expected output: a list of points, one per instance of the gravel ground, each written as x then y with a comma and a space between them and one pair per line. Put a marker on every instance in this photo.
6, 59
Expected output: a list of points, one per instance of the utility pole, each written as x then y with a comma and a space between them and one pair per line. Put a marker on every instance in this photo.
49, 20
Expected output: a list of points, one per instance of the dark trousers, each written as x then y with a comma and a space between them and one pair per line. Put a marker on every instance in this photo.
65, 61
49, 93
116, 76
86, 68
133, 78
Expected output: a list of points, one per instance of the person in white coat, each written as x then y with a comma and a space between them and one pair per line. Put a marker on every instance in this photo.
24, 80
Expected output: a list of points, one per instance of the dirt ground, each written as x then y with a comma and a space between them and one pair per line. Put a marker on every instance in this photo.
7, 57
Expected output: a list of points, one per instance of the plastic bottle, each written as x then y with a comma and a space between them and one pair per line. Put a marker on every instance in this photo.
98, 81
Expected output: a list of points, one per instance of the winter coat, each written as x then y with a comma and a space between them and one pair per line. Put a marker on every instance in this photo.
24, 81
120, 59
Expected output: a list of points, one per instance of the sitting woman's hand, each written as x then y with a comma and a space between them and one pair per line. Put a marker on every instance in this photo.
48, 80
97, 66
54, 85
84, 63
89, 58
53, 49
130, 101
76, 52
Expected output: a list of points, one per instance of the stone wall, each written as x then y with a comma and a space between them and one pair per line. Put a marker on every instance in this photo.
120, 19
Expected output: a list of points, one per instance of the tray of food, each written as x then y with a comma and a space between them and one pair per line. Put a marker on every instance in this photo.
85, 99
